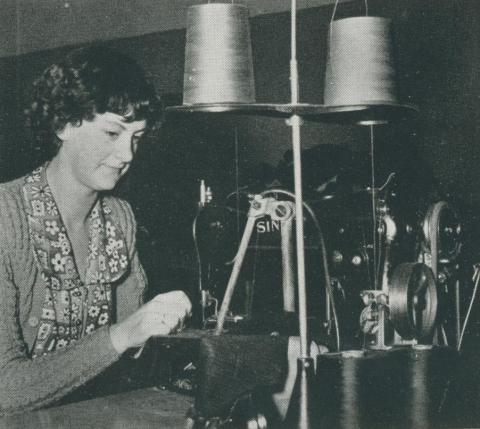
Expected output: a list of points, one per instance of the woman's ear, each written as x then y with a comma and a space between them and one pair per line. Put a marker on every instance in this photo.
65, 132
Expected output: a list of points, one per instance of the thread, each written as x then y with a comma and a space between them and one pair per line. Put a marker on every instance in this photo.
374, 208
360, 63
218, 55
400, 388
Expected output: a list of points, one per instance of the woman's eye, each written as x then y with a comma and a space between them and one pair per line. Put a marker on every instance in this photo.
112, 134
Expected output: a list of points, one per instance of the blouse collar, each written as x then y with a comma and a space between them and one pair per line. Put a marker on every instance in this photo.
107, 257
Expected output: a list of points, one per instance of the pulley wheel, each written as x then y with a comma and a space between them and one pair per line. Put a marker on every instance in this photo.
442, 221
413, 300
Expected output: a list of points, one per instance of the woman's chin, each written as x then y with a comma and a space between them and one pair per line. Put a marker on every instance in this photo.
107, 182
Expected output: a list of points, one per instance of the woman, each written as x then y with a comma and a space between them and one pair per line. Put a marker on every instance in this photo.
71, 284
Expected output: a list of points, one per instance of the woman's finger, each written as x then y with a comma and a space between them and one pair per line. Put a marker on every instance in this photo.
175, 299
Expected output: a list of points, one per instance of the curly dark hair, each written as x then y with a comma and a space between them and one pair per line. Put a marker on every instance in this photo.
87, 81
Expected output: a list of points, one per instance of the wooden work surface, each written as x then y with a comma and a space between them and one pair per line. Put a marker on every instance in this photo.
140, 409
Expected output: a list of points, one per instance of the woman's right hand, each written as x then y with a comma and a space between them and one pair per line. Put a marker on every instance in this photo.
162, 315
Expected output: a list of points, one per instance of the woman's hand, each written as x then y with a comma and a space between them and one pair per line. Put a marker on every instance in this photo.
162, 315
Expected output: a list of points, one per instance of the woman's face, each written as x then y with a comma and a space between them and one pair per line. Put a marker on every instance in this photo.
99, 152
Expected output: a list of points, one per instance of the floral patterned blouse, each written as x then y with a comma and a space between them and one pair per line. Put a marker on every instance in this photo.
71, 308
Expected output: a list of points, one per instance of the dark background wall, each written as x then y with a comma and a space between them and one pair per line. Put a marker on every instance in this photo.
437, 43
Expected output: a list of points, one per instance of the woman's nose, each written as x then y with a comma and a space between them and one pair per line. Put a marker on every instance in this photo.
124, 149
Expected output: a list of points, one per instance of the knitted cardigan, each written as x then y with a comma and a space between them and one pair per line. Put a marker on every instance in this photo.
27, 383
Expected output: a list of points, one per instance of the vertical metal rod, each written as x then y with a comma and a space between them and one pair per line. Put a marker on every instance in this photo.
293, 60
328, 312
295, 123
374, 209
288, 280
237, 181
458, 315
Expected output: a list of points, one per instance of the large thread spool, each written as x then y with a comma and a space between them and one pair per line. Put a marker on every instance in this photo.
400, 388
218, 55
360, 69
431, 370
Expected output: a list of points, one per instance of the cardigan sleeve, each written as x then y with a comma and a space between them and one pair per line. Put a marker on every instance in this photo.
27, 383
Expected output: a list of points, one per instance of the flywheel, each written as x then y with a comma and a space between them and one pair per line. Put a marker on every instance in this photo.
413, 300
